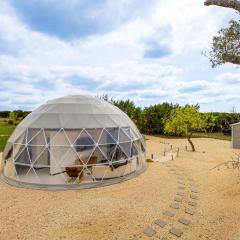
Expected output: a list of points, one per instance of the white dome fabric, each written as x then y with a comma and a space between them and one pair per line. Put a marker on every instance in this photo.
74, 142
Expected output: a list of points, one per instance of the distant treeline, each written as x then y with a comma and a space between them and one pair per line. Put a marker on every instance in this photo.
150, 120
13, 117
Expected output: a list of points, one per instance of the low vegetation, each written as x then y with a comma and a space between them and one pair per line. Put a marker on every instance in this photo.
153, 120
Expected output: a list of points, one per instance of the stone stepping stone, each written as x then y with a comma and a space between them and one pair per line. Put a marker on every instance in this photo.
168, 214
193, 189
189, 211
181, 187
184, 221
178, 199
160, 223
149, 232
175, 205
192, 203
180, 193
194, 197
176, 231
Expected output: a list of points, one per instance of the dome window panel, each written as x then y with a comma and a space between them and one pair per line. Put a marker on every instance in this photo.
73, 134
84, 139
123, 137
114, 132
106, 138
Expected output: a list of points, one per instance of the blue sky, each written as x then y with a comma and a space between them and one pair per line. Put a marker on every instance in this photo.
148, 51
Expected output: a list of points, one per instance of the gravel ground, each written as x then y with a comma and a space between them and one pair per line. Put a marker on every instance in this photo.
123, 211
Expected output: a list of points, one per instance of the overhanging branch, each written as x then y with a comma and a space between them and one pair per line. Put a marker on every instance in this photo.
235, 4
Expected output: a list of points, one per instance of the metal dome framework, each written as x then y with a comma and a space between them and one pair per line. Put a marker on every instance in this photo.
74, 142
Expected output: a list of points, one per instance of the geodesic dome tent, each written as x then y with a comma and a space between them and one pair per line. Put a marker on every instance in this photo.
73, 142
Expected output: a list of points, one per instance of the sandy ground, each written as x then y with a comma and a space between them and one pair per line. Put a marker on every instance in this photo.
123, 211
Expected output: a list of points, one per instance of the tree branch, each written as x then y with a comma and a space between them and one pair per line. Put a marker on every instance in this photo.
235, 4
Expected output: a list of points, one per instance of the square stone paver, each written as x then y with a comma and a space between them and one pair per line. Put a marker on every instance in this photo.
194, 196
168, 214
189, 211
178, 199
176, 231
180, 193
160, 223
149, 232
192, 203
184, 221
194, 189
175, 205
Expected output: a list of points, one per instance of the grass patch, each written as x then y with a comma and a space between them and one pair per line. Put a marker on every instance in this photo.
3, 141
219, 136
6, 130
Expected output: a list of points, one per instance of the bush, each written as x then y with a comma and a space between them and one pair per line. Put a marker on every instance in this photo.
10, 122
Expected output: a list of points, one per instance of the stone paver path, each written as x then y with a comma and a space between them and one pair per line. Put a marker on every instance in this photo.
184, 204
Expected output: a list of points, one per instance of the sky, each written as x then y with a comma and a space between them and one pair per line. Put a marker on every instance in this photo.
149, 51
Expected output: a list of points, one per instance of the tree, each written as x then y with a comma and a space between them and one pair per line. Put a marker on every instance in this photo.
210, 122
128, 106
235, 4
154, 116
226, 46
4, 114
12, 117
184, 121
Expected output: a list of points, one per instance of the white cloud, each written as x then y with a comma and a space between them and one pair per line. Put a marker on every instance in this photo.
35, 67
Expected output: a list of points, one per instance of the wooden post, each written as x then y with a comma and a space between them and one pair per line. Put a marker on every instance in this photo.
172, 157
152, 155
186, 148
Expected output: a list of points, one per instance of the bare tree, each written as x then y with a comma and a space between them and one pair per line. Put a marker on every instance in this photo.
235, 4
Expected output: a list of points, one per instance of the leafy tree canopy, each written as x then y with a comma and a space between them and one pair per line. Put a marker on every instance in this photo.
184, 121
226, 46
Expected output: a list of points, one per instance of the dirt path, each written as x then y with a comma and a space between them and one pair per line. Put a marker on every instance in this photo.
123, 211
